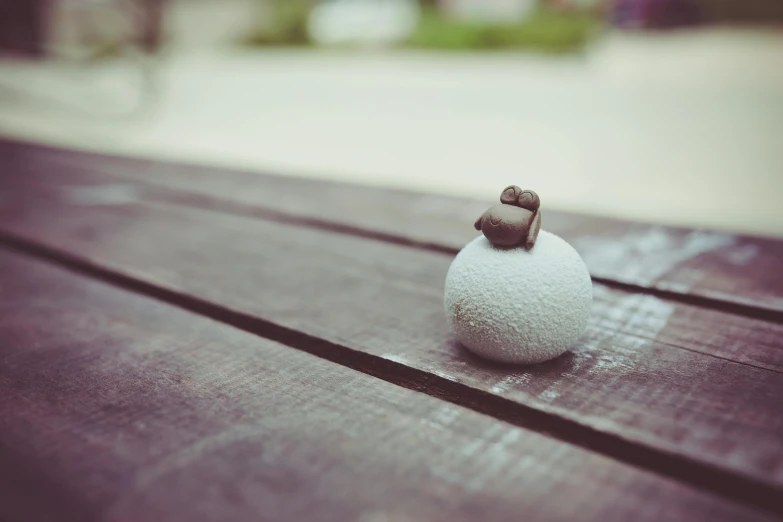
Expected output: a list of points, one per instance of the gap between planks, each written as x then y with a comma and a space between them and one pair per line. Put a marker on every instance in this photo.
196, 201
441, 461
701, 408
153, 190
737, 487
178, 198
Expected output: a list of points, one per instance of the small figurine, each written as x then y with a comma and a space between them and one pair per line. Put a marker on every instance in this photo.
515, 222
510, 302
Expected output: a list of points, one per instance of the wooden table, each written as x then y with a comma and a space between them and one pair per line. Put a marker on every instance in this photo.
187, 343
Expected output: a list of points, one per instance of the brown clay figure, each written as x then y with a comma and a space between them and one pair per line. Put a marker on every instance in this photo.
515, 222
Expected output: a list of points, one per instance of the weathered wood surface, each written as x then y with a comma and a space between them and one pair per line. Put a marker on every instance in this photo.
738, 273
116, 407
706, 410
755, 342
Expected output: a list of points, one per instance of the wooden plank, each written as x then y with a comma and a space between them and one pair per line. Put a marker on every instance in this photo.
755, 342
722, 334
736, 273
378, 307
117, 407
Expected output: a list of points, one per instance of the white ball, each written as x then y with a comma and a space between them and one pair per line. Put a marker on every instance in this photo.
518, 306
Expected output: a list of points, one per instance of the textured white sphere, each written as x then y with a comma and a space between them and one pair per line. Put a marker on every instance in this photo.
518, 306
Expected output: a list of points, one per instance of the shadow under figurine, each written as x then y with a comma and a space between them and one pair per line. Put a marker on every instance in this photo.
515, 222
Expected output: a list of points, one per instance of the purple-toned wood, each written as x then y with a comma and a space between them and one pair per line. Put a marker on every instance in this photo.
737, 273
115, 407
640, 386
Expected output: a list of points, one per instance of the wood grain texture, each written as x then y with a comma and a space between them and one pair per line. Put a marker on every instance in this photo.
115, 407
707, 412
724, 335
741, 272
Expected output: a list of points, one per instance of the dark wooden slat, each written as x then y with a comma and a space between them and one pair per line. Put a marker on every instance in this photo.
378, 307
721, 334
116, 407
738, 273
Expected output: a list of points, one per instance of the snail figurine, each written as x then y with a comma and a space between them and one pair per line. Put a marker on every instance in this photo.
515, 222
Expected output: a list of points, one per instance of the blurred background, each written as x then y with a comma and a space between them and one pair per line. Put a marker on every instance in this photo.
667, 111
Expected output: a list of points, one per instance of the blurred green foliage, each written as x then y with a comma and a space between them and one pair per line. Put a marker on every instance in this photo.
287, 27
544, 30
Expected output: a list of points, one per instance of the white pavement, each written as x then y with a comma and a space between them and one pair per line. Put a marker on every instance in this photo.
683, 129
